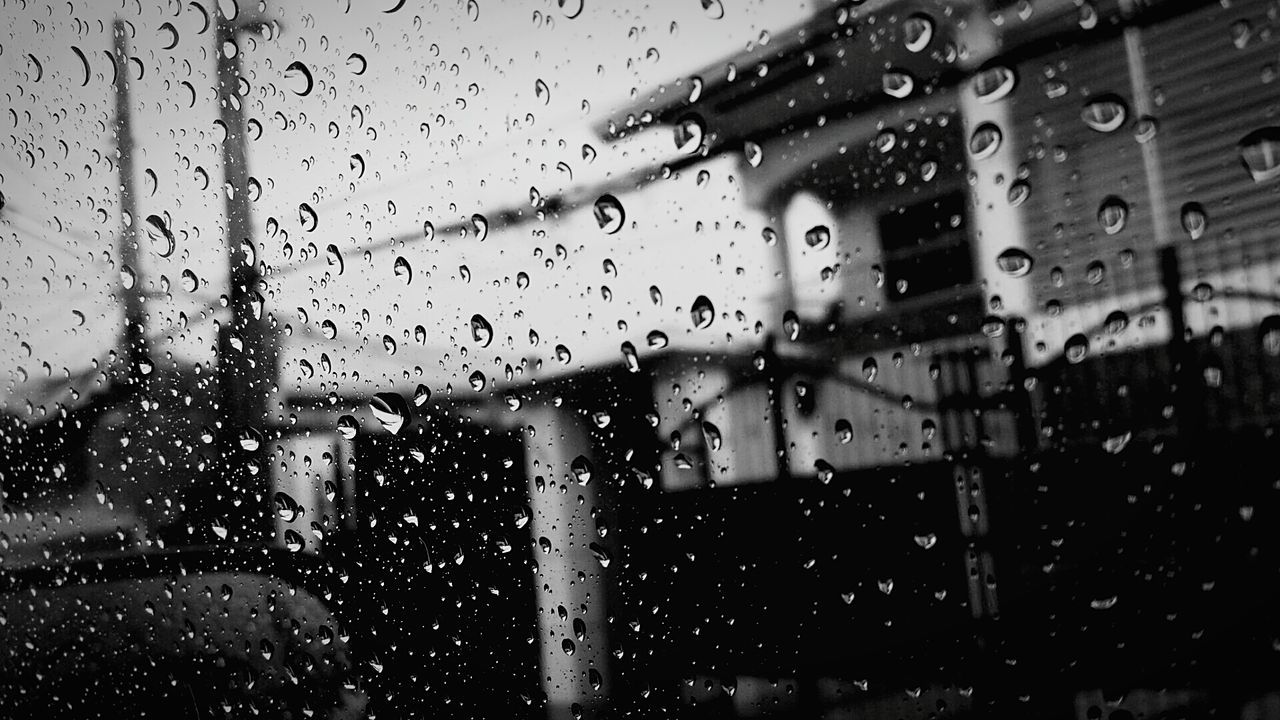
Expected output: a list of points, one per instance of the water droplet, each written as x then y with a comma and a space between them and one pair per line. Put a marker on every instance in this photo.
402, 270
307, 217
818, 237
1095, 272
570, 8
994, 83
1260, 153
287, 508
389, 344
329, 329
844, 431
481, 330
478, 381
917, 31
421, 395
702, 312
582, 469
926, 540
713, 9
169, 35
1015, 262
629, 357
655, 295
1113, 214
333, 256
1018, 193
1105, 113
293, 542
753, 153
886, 140
656, 339
189, 281
791, 325
541, 91
1194, 220
250, 439
985, 141
1269, 335
1076, 349
689, 131
391, 411
897, 83
299, 77
1117, 321
357, 63
1145, 129
870, 368
711, 434
609, 214
563, 355
160, 235
480, 224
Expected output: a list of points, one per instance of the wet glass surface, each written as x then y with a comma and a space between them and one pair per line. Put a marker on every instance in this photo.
704, 359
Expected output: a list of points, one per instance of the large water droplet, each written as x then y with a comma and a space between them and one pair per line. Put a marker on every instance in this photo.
481, 330
702, 312
897, 83
1105, 113
630, 357
287, 508
480, 224
985, 141
917, 31
582, 469
250, 439
160, 235
299, 77
689, 131
994, 83
1195, 221
391, 411
333, 256
818, 237
711, 434
609, 214
1015, 262
1076, 348
402, 270
307, 217
1260, 153
1113, 214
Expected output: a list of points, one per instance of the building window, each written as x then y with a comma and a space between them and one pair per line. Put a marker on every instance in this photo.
926, 247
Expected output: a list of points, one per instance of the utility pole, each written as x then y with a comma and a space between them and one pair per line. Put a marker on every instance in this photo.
246, 349
133, 338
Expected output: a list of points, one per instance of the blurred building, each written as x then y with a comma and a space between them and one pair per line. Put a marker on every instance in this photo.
1000, 445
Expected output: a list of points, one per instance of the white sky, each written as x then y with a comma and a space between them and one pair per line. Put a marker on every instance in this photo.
491, 138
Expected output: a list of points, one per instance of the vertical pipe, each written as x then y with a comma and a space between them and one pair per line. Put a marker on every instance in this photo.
246, 356
569, 574
133, 336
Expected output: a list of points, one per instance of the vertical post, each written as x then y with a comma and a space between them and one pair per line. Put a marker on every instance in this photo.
1175, 306
246, 355
569, 575
133, 336
778, 414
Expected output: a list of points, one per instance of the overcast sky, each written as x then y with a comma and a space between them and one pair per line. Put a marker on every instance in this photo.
460, 109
